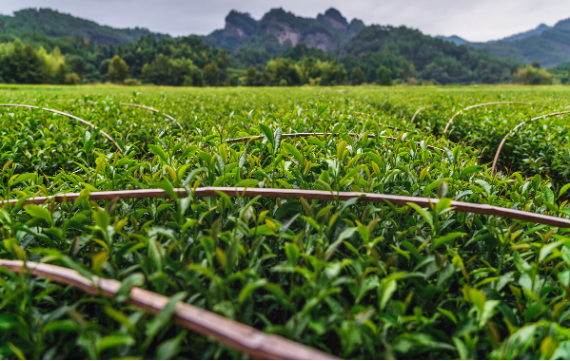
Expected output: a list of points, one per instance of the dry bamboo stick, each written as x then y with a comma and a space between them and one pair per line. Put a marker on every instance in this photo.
477, 106
419, 110
514, 130
305, 135
237, 335
311, 194
156, 111
65, 115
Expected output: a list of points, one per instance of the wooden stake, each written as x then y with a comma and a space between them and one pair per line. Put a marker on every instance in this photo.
514, 130
310, 194
236, 335
477, 106
65, 115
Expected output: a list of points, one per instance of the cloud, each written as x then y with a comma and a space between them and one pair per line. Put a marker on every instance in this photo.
479, 20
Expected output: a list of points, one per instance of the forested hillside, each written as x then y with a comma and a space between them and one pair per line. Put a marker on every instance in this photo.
280, 49
550, 46
52, 23
409, 53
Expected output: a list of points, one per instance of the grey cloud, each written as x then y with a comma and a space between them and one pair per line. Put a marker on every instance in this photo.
474, 20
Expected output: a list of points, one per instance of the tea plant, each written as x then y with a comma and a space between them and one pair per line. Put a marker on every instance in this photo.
354, 279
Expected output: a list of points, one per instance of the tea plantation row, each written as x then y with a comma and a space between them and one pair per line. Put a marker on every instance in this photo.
354, 279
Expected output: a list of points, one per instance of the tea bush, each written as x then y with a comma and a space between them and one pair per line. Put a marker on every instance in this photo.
354, 279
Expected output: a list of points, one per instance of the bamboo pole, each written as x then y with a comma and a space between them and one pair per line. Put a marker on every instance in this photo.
236, 335
66, 115
496, 159
306, 135
419, 110
465, 207
477, 106
154, 110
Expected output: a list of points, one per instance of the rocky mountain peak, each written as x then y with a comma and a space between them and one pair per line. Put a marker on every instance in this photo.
240, 25
334, 19
326, 32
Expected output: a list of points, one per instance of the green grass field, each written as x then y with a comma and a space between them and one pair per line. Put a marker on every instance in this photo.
352, 279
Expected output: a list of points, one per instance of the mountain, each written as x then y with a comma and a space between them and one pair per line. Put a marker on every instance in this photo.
408, 53
453, 39
536, 31
460, 41
549, 45
327, 32
52, 23
327, 49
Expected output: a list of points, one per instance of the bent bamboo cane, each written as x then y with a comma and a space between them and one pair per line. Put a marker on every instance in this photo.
496, 159
306, 135
154, 110
65, 115
237, 335
465, 207
419, 110
477, 106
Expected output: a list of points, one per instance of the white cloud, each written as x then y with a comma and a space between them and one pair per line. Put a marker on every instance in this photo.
474, 20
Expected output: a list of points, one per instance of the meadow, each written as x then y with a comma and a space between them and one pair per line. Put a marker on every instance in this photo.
347, 276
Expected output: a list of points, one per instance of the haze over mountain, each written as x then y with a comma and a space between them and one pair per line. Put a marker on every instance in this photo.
550, 46
536, 31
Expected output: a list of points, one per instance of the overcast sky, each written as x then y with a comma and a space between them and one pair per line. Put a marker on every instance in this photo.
474, 20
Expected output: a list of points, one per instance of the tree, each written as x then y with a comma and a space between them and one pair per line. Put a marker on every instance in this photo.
234, 80
157, 72
197, 76
61, 73
332, 73
250, 76
211, 74
76, 64
165, 71
281, 69
530, 75
357, 76
104, 66
384, 76
223, 63
118, 70
21, 64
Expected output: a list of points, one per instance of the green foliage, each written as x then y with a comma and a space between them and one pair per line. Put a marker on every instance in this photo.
532, 75
118, 70
356, 279
165, 71
281, 69
23, 64
433, 59
211, 74
52, 23
234, 80
357, 77
383, 76
410, 56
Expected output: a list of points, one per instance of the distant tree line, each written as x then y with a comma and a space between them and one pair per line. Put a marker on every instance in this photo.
188, 61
